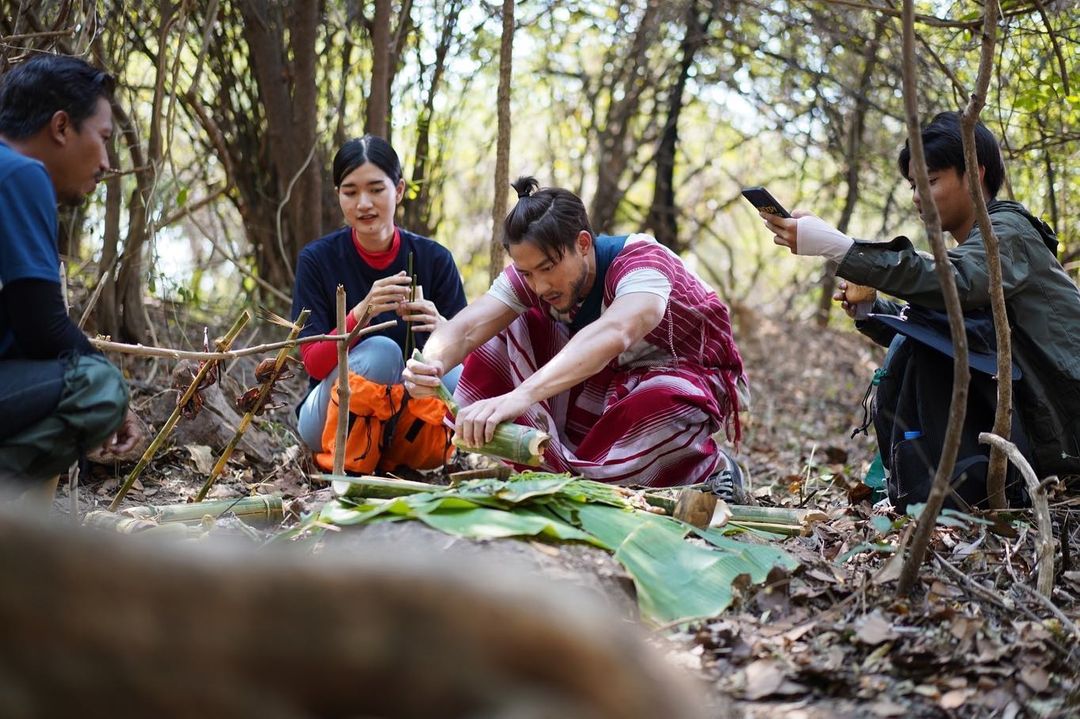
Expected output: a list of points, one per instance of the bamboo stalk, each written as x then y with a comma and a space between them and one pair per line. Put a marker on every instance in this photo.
265, 508
410, 337
144, 351
789, 530
501, 472
245, 422
344, 390
102, 519
223, 344
513, 442
776, 515
369, 486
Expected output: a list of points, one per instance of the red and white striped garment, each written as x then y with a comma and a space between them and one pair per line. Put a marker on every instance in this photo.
647, 424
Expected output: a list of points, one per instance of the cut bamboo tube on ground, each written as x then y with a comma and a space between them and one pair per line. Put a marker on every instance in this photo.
500, 472
513, 442
368, 486
344, 390
222, 345
260, 509
246, 420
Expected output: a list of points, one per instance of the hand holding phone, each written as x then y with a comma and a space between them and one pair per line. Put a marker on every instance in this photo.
762, 199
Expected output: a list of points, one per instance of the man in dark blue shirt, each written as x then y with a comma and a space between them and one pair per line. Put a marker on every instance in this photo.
59, 397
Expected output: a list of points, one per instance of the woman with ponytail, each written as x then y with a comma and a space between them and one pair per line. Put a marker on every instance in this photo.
371, 257
610, 344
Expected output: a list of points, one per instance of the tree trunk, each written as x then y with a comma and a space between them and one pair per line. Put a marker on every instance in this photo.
417, 213
663, 215
614, 154
502, 149
378, 102
288, 92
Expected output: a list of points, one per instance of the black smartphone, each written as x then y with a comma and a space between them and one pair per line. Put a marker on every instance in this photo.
760, 198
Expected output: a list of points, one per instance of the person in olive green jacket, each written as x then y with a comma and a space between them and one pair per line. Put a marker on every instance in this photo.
1043, 303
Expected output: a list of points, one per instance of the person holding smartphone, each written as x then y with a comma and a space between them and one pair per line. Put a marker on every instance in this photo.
1042, 300
610, 344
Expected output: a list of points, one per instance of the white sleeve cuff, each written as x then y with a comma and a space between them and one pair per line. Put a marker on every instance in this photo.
816, 237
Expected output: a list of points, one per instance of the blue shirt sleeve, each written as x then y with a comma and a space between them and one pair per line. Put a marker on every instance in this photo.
28, 226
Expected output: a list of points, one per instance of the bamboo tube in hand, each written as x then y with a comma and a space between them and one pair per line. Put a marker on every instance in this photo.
512, 442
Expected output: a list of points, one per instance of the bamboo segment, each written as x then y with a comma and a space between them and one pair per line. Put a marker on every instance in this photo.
513, 442
102, 519
222, 345
259, 509
264, 508
500, 472
374, 487
245, 422
344, 388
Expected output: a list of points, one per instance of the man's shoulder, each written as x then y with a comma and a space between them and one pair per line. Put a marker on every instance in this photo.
22, 172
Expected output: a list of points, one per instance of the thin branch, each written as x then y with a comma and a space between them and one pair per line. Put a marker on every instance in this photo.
1052, 36
930, 20
285, 201
35, 35
944, 270
995, 475
144, 351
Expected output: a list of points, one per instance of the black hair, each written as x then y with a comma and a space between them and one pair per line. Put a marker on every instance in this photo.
369, 148
550, 218
33, 91
943, 147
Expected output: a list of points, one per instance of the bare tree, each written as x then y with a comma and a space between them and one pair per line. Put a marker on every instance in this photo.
502, 151
662, 219
961, 373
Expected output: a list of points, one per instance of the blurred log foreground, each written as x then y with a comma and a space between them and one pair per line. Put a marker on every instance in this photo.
98, 624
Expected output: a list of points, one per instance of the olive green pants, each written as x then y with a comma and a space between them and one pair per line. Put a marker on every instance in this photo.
51, 412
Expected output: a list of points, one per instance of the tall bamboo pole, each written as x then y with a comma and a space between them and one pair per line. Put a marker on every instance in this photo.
222, 345
245, 422
344, 390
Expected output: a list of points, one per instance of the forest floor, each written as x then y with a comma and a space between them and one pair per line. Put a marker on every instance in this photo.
831, 639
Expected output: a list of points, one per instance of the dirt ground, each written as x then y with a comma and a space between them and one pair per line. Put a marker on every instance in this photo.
831, 639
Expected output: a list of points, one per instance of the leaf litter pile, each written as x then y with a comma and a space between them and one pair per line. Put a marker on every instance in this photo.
804, 626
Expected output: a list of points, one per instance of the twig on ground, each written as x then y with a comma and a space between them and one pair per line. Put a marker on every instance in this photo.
1044, 546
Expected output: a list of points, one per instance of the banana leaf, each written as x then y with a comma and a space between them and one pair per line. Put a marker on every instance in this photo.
676, 580
486, 523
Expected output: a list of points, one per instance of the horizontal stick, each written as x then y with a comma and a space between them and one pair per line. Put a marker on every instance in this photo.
144, 351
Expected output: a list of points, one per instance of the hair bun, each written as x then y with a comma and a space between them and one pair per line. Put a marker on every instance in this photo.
525, 186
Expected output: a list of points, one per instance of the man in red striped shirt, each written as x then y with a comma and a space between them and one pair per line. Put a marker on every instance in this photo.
610, 344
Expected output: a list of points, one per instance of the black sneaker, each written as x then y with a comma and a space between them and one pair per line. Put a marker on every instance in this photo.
727, 481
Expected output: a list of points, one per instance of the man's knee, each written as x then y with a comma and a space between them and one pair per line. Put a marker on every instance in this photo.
95, 399
92, 406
